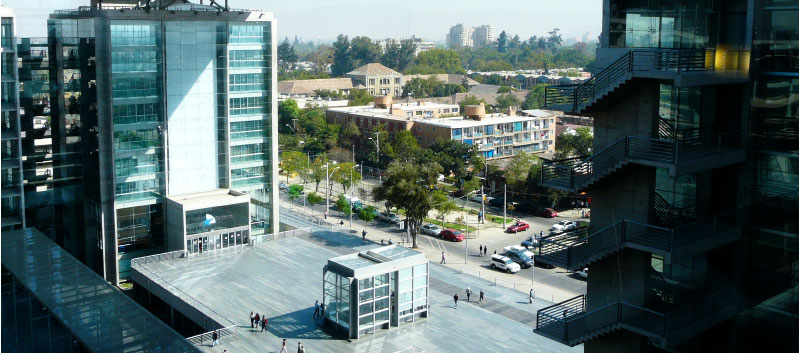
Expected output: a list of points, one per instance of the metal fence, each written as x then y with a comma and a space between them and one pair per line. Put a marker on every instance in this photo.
281, 235
207, 337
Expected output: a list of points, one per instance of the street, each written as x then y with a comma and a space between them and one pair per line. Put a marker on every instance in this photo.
552, 284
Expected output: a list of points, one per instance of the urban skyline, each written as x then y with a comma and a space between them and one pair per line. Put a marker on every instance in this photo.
431, 21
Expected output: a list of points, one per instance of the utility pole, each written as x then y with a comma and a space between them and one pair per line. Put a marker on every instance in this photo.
505, 204
466, 236
483, 206
327, 196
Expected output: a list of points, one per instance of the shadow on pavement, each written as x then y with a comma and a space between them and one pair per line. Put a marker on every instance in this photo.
297, 325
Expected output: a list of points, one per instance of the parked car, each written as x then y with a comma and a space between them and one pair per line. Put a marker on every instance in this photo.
389, 217
520, 258
478, 198
431, 229
283, 186
357, 206
583, 273
564, 226
530, 243
496, 202
518, 226
452, 235
546, 212
518, 249
504, 263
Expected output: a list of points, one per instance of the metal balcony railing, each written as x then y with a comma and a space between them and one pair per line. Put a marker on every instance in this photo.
578, 173
570, 323
577, 249
575, 98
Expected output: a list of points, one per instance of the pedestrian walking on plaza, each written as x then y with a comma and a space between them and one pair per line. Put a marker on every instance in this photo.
530, 297
299, 347
214, 339
322, 312
264, 323
252, 318
480, 250
455, 300
382, 242
480, 299
364, 235
258, 320
541, 234
583, 213
495, 252
326, 214
316, 309
443, 259
341, 223
283, 347
469, 292
485, 249
391, 241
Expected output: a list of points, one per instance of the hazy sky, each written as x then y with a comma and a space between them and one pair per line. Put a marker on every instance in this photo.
430, 19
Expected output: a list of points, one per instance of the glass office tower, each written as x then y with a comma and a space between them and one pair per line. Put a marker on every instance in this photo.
162, 101
12, 197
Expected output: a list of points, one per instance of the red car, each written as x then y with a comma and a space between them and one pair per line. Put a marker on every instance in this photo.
451, 234
546, 212
518, 227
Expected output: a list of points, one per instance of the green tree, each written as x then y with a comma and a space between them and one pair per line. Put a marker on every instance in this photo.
400, 55
454, 156
295, 191
577, 144
504, 89
322, 57
294, 162
507, 100
288, 112
314, 199
555, 196
286, 55
405, 146
367, 214
442, 205
535, 98
342, 57
349, 135
470, 185
405, 188
316, 172
517, 170
343, 174
343, 206
470, 100
554, 39
359, 97
442, 60
364, 51
502, 42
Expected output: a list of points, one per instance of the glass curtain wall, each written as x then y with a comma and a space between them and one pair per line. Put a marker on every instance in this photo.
412, 288
373, 303
249, 82
664, 24
336, 297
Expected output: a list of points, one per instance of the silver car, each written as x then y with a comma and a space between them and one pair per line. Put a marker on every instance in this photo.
431, 229
389, 217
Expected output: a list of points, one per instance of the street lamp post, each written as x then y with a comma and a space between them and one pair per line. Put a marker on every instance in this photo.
327, 189
377, 152
351, 194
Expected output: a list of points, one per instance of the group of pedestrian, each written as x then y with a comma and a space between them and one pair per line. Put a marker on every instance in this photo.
319, 310
469, 294
482, 249
258, 321
284, 349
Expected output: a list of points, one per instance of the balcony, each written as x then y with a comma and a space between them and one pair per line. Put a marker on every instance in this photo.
570, 323
684, 66
685, 154
577, 249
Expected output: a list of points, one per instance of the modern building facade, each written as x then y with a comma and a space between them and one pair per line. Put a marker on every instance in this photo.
694, 182
13, 198
375, 289
482, 36
208, 221
498, 135
159, 101
377, 79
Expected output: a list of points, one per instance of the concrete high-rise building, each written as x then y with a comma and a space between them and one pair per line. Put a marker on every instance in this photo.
482, 36
159, 101
693, 242
460, 36
13, 199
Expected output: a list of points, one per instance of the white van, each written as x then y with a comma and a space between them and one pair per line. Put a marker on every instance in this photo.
503, 263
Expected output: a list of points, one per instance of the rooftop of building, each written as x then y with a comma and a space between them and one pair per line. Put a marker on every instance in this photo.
462, 122
375, 111
376, 260
453, 79
174, 10
374, 69
99, 315
281, 279
219, 197
308, 87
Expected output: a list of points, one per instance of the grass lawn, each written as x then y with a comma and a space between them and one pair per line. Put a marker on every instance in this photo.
456, 226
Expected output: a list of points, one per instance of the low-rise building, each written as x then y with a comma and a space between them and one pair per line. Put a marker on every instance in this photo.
497, 135
309, 87
377, 79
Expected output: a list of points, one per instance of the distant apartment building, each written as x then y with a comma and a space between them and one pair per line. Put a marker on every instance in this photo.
378, 80
150, 104
13, 198
420, 45
482, 36
460, 36
497, 135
